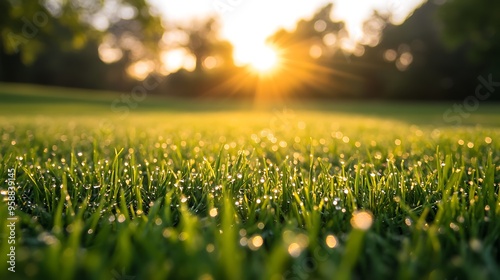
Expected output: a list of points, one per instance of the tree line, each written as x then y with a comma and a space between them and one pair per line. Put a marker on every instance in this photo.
444, 50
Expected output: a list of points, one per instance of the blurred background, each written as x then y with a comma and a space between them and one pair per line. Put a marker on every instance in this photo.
344, 49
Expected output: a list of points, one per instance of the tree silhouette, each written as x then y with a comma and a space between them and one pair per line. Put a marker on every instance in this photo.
204, 41
306, 52
42, 42
475, 24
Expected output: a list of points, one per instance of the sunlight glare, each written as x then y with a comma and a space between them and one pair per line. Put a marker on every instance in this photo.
263, 59
243, 36
173, 60
140, 69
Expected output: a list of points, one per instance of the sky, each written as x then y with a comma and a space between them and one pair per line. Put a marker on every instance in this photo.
247, 23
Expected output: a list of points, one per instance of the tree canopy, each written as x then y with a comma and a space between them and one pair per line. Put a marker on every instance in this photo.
475, 24
437, 53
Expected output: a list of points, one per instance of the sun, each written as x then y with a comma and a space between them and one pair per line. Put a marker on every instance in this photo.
264, 59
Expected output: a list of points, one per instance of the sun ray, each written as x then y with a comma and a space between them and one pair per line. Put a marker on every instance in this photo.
264, 59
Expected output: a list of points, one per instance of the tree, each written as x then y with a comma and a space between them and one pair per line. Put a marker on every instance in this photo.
39, 38
204, 41
412, 61
25, 24
307, 51
214, 64
475, 24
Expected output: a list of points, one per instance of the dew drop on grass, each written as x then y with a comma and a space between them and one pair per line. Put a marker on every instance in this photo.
294, 249
362, 220
255, 242
213, 212
121, 218
331, 241
47, 238
183, 236
244, 241
454, 227
167, 233
210, 248
475, 245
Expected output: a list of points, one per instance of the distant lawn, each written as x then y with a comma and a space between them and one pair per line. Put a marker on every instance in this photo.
20, 99
179, 189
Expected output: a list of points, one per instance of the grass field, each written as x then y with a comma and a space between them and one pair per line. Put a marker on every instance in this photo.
172, 189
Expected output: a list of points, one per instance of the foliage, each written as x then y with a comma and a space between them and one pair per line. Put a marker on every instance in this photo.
58, 43
41, 42
473, 23
204, 41
28, 25
412, 61
306, 73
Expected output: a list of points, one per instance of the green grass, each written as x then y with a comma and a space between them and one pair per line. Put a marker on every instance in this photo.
186, 190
